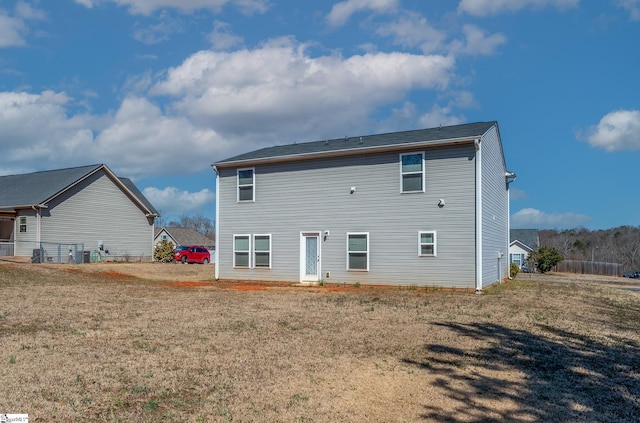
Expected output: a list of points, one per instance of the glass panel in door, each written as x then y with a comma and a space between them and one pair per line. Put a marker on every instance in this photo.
311, 256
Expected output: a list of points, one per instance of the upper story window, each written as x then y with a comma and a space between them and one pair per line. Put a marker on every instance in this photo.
412, 172
246, 184
427, 244
358, 251
23, 224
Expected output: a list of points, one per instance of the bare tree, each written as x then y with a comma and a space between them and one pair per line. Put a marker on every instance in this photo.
199, 223
617, 245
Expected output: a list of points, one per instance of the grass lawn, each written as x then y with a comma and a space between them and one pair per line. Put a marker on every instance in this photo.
129, 344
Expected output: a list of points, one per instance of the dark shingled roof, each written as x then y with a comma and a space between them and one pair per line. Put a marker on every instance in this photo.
187, 236
36, 188
135, 191
528, 237
32, 189
350, 145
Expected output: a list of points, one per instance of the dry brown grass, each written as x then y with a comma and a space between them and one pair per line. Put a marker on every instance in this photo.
153, 342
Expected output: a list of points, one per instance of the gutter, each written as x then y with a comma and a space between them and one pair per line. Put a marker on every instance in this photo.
216, 254
342, 152
478, 215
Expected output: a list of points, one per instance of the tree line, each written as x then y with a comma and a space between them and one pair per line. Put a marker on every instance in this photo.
616, 245
199, 223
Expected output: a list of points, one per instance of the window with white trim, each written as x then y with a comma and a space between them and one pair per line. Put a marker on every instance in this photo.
262, 251
241, 249
358, 251
23, 224
518, 259
427, 244
246, 184
412, 172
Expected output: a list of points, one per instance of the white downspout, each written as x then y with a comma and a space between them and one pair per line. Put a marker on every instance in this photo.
38, 230
478, 215
216, 273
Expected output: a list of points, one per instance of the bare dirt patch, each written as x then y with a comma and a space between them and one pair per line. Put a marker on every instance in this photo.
77, 347
148, 271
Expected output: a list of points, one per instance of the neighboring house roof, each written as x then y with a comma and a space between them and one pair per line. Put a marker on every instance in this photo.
525, 237
39, 188
445, 135
186, 236
135, 191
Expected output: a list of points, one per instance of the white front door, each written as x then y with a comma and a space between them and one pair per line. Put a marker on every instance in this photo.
310, 256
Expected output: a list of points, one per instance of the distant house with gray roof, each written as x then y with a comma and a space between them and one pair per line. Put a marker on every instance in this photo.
425, 207
85, 208
522, 243
183, 236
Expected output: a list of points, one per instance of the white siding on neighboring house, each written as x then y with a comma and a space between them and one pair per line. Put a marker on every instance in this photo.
517, 254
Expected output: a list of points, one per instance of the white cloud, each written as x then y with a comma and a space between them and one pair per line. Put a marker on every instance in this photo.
146, 7
171, 201
12, 30
35, 127
477, 42
494, 7
440, 116
154, 34
413, 30
631, 6
26, 11
619, 130
138, 140
278, 88
532, 218
221, 37
342, 11
517, 194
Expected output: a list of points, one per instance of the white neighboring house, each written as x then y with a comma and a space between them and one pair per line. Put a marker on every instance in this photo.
185, 236
522, 243
75, 212
426, 207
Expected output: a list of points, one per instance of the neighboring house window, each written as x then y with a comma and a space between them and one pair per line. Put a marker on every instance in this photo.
241, 250
164, 237
262, 251
412, 172
23, 224
517, 259
427, 244
246, 185
358, 251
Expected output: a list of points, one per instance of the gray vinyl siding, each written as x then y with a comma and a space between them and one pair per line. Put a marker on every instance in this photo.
314, 195
26, 242
98, 210
495, 219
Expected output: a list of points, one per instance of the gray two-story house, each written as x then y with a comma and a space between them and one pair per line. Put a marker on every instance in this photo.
424, 207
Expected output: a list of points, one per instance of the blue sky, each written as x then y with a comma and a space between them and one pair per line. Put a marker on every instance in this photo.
160, 89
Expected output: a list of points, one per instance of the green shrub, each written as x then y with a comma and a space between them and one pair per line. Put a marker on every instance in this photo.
513, 270
545, 258
163, 251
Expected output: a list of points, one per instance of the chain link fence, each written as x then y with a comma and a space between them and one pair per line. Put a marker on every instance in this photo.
50, 252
